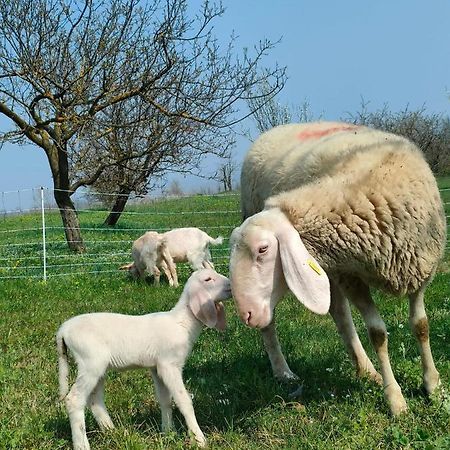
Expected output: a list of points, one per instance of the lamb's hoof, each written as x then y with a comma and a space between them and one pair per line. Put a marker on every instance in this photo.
105, 425
201, 442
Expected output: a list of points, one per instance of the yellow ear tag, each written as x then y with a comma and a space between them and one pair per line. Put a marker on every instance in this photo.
314, 266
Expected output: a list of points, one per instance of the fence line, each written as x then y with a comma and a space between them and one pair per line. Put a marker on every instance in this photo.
41, 251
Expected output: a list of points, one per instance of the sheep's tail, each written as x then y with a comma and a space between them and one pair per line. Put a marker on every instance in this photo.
216, 241
63, 366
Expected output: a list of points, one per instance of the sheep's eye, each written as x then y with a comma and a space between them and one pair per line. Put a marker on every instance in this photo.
263, 249
208, 279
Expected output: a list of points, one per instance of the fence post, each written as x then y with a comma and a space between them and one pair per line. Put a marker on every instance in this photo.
44, 252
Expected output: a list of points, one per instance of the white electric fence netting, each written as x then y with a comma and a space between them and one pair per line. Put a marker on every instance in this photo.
33, 242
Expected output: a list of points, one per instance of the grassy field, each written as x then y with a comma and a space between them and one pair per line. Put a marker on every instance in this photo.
237, 402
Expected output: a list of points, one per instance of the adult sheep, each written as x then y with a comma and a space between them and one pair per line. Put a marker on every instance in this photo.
331, 209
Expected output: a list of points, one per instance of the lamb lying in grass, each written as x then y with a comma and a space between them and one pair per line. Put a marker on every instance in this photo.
163, 250
161, 341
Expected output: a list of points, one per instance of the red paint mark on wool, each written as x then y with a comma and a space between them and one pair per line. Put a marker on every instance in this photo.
318, 133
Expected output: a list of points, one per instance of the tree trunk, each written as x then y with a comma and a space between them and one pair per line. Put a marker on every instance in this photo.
117, 208
59, 165
70, 221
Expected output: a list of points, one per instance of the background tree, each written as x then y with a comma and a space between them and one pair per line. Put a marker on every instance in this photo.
64, 64
143, 146
224, 174
429, 131
269, 112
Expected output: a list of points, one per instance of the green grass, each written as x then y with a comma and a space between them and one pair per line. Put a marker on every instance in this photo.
237, 402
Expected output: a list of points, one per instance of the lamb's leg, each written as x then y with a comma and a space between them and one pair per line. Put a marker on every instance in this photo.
156, 275
278, 362
172, 378
207, 260
165, 401
76, 401
196, 259
419, 325
98, 407
171, 272
208, 264
359, 294
342, 316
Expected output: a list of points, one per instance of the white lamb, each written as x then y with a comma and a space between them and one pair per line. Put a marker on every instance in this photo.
150, 252
160, 341
333, 208
155, 250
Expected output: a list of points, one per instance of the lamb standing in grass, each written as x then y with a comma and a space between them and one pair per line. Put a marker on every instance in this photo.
179, 245
150, 253
160, 341
343, 208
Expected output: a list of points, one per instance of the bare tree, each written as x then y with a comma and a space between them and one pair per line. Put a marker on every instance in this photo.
224, 174
429, 131
269, 113
65, 63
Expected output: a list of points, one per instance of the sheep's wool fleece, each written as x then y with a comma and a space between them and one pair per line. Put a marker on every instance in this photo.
365, 202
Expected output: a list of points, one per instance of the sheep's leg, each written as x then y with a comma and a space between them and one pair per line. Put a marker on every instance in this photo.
76, 401
342, 316
165, 401
359, 294
98, 407
172, 378
418, 322
278, 362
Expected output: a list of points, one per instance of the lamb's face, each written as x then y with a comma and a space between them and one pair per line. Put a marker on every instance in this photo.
217, 285
205, 289
257, 279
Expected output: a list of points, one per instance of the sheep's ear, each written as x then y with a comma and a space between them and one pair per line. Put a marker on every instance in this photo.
208, 312
304, 276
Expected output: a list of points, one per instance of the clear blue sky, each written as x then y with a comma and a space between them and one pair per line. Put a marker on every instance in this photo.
337, 52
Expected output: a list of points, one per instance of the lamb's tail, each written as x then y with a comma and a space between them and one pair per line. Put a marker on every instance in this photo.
164, 252
216, 241
127, 266
63, 366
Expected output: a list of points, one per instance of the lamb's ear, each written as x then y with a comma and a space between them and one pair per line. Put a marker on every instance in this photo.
208, 312
303, 274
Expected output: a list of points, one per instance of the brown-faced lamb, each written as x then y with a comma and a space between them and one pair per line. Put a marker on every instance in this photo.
331, 209
160, 341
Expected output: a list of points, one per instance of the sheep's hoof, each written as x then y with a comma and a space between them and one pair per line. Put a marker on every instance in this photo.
432, 383
371, 375
398, 407
396, 401
297, 393
287, 377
